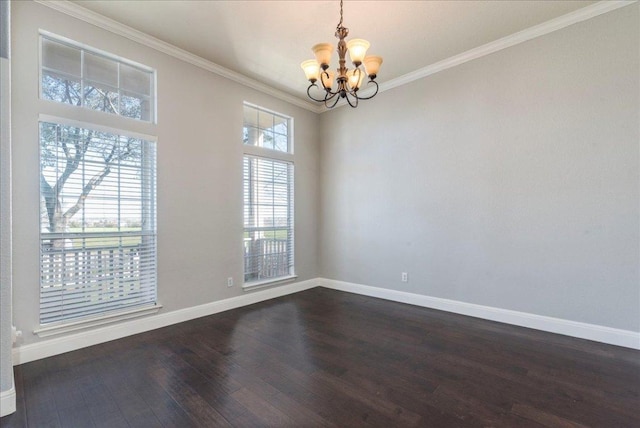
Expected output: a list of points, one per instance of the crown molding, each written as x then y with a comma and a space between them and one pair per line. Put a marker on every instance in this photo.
115, 27
120, 29
530, 33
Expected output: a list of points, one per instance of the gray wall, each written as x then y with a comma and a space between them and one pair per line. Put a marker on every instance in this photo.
199, 168
510, 181
6, 368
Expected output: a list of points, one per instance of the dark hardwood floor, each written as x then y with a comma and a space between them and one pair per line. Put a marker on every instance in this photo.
327, 358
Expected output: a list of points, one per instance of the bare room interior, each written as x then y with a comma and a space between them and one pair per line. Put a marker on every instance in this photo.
319, 213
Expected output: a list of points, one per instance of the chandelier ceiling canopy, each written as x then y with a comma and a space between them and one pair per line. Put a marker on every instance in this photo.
344, 82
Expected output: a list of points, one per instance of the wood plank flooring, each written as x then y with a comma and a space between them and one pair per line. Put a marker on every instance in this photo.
327, 358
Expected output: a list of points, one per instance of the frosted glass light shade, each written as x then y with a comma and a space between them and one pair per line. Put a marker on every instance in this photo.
311, 69
357, 50
355, 78
372, 64
327, 82
323, 53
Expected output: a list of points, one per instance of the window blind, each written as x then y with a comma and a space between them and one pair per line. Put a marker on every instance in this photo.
268, 218
98, 222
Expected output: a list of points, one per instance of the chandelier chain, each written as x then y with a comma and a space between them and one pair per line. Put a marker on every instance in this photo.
340, 23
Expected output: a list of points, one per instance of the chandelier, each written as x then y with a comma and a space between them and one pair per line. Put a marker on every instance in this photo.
346, 82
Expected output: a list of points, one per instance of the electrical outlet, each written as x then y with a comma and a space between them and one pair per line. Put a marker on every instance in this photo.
404, 277
230, 281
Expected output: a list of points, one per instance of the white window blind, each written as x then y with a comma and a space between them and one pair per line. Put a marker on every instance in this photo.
268, 219
97, 222
83, 77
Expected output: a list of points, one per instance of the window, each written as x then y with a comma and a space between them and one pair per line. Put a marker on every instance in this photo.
84, 77
266, 129
98, 222
268, 196
97, 188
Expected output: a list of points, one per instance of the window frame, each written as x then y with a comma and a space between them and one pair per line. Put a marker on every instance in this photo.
259, 152
266, 152
79, 116
153, 98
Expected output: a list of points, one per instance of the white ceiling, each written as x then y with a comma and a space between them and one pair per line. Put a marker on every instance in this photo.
267, 40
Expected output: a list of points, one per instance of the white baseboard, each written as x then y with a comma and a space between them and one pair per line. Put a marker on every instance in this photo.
59, 345
8, 401
612, 336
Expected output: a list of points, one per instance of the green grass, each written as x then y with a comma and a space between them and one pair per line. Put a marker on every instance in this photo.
278, 234
136, 240
111, 241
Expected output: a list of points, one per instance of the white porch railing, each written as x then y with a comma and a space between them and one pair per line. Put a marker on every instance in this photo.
265, 258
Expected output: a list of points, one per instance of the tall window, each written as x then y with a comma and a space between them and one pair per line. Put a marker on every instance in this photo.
97, 188
84, 77
268, 196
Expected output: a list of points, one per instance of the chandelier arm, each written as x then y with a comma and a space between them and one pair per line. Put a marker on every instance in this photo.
329, 99
355, 97
330, 95
337, 91
360, 77
374, 94
324, 73
311, 96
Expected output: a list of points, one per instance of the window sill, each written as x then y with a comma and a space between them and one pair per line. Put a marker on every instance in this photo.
247, 286
93, 322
